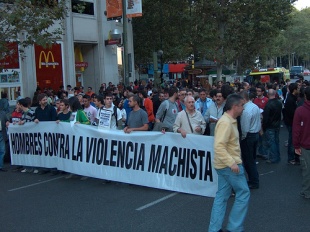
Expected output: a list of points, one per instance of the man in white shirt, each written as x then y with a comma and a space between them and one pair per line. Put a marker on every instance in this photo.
190, 120
215, 111
250, 127
89, 110
202, 104
115, 112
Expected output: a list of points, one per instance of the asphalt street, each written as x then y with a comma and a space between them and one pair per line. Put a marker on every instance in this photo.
32, 202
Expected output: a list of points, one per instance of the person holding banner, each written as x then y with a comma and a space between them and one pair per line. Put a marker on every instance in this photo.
167, 112
27, 116
78, 115
228, 165
190, 120
65, 113
89, 110
137, 120
44, 112
109, 115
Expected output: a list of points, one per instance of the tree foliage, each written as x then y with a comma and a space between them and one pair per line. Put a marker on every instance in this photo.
224, 30
293, 42
29, 22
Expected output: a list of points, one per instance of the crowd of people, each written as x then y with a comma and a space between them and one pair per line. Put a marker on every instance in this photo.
244, 119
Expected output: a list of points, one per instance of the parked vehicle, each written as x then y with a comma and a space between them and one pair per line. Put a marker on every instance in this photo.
306, 72
268, 75
296, 72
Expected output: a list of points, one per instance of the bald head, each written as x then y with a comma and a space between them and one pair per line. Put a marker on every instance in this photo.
271, 93
187, 98
189, 103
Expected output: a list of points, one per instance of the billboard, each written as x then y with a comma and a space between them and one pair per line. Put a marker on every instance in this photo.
49, 66
10, 58
133, 8
114, 8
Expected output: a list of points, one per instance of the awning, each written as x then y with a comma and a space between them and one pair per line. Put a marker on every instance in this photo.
177, 68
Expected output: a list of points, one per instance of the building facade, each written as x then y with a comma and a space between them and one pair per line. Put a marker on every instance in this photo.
82, 58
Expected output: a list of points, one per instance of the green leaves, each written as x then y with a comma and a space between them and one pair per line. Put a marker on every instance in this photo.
227, 30
29, 22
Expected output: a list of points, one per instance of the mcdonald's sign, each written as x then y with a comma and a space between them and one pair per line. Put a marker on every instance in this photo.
49, 66
47, 58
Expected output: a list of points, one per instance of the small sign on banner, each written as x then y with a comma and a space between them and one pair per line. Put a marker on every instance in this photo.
105, 119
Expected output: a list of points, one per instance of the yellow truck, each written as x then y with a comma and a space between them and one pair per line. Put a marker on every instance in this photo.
271, 75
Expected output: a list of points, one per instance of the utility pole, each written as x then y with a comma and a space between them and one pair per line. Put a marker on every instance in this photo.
125, 45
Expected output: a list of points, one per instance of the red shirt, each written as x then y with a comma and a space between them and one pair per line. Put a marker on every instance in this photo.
261, 102
16, 116
301, 126
89, 93
148, 105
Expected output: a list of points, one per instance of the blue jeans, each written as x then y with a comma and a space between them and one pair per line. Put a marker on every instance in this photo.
260, 145
248, 153
272, 145
2, 150
290, 148
228, 180
305, 171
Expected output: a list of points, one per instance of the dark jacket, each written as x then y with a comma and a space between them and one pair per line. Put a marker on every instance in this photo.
156, 103
48, 114
3, 119
272, 114
301, 126
4, 105
289, 109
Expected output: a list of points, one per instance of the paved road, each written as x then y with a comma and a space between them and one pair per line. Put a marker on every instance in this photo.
31, 202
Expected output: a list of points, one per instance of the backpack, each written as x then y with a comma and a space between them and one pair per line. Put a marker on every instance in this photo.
159, 126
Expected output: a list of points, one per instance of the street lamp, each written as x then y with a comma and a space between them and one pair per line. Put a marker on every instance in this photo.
158, 56
125, 45
191, 3
293, 58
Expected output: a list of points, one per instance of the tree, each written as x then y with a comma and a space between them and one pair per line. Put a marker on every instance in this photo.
224, 30
29, 22
163, 26
293, 43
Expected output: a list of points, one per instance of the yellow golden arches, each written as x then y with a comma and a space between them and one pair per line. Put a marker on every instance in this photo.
46, 59
79, 57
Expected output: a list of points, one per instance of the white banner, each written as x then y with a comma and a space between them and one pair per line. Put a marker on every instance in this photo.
165, 161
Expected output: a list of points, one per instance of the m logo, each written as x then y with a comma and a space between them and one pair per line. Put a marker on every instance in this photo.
46, 59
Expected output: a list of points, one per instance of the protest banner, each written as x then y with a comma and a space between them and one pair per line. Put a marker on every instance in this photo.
166, 161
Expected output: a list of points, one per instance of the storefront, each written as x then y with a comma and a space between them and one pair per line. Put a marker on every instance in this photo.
10, 77
49, 66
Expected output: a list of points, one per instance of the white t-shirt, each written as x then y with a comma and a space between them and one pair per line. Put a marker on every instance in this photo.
113, 121
91, 113
124, 116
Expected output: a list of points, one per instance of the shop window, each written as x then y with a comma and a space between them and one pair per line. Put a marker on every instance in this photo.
13, 93
83, 7
9, 78
10, 84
